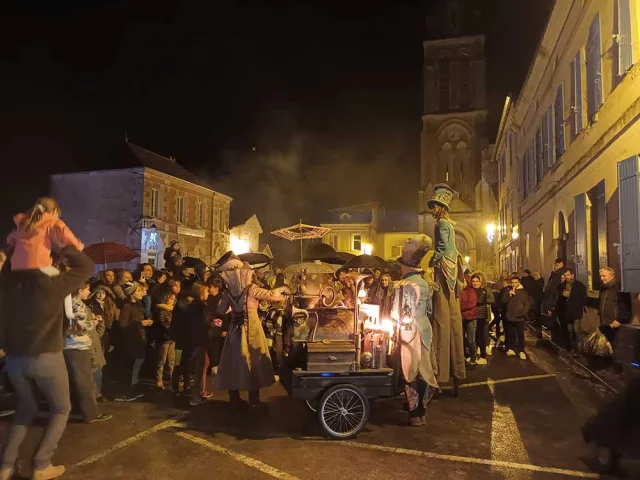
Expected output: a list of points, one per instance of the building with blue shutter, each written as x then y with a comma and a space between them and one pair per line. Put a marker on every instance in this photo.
576, 123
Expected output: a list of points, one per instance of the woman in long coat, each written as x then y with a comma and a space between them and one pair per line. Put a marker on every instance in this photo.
245, 363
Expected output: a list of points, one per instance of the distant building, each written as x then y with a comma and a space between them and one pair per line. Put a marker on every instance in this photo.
454, 144
570, 175
246, 236
369, 228
145, 201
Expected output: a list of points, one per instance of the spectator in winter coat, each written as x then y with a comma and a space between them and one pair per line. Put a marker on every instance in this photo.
484, 297
218, 333
102, 304
172, 250
180, 333
518, 304
161, 331
200, 323
550, 297
615, 306
124, 280
469, 310
571, 304
32, 301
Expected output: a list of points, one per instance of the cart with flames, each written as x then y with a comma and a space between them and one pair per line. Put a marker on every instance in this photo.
336, 355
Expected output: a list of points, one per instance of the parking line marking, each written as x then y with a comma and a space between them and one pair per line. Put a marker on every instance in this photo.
472, 460
125, 443
505, 380
251, 462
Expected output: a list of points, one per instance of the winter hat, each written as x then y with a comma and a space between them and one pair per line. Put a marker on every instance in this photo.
442, 195
414, 252
172, 243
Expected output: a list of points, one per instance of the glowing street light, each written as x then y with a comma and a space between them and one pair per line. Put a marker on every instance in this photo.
491, 232
467, 259
239, 245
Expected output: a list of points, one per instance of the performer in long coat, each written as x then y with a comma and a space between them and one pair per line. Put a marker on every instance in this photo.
412, 308
245, 363
448, 338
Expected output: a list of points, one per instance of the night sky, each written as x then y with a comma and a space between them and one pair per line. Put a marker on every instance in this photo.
328, 93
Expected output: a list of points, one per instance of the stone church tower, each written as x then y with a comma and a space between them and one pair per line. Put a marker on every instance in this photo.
454, 146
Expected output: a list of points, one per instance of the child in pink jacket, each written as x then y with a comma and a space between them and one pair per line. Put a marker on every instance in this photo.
36, 231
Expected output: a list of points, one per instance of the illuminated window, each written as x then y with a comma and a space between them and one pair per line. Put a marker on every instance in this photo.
357, 243
155, 203
201, 214
180, 210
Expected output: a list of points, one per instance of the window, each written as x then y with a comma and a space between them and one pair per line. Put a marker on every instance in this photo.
539, 156
180, 210
629, 204
461, 172
525, 174
443, 84
590, 235
357, 243
526, 250
396, 251
624, 38
550, 145
201, 214
218, 218
559, 109
503, 167
155, 203
594, 69
464, 79
333, 241
541, 248
446, 175
576, 93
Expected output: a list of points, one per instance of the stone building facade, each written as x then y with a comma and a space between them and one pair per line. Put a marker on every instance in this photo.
454, 145
145, 207
574, 175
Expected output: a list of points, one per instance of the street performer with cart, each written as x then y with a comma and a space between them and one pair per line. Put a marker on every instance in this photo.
412, 307
245, 363
448, 339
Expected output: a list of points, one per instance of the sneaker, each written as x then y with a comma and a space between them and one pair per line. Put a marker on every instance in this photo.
523, 356
511, 353
489, 351
206, 395
194, 402
481, 361
48, 473
125, 398
102, 417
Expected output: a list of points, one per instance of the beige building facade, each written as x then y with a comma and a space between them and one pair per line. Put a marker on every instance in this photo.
576, 125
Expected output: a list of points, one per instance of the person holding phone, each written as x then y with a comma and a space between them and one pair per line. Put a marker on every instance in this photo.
518, 304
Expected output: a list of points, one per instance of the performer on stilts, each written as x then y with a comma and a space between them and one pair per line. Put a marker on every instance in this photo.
412, 308
448, 339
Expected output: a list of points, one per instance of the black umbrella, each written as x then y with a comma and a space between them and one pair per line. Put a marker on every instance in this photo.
322, 252
366, 261
255, 259
345, 256
192, 262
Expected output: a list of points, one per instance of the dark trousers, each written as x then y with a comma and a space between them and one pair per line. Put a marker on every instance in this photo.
568, 332
183, 369
215, 351
498, 323
482, 336
416, 392
469, 329
515, 334
81, 382
200, 366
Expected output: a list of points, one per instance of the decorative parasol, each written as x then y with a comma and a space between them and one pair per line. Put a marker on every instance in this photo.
301, 232
110, 252
366, 261
255, 259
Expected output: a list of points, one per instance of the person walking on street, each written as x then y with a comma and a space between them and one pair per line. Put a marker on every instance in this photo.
518, 304
484, 298
32, 301
571, 304
469, 310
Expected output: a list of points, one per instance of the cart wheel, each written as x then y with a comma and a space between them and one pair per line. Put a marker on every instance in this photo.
343, 411
312, 405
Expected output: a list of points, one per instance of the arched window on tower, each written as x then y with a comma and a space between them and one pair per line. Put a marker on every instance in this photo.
446, 175
443, 83
461, 172
464, 82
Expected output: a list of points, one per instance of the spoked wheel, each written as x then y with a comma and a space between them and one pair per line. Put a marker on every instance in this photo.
343, 411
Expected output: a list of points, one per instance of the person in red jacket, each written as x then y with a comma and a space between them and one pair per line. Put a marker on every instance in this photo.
469, 309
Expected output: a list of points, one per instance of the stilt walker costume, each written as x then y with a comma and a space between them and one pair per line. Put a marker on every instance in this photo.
245, 363
412, 307
448, 338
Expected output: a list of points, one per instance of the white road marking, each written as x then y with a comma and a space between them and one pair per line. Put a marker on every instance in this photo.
506, 441
125, 443
251, 462
505, 380
471, 460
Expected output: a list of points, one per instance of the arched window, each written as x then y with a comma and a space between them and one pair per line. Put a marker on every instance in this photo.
464, 82
443, 83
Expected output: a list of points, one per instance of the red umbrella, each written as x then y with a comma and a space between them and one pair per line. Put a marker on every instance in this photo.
110, 252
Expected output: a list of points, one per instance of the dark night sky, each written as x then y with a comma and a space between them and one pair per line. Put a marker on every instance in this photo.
325, 91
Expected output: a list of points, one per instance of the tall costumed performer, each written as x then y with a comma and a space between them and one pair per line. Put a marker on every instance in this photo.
412, 307
245, 363
448, 339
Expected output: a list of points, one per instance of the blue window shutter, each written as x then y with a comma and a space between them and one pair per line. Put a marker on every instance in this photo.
550, 147
628, 198
559, 107
576, 92
594, 69
625, 44
580, 216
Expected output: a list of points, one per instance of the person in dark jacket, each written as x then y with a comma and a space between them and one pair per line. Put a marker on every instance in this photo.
133, 340
180, 333
469, 311
518, 305
572, 301
161, 334
200, 323
31, 326
551, 293
500, 320
171, 251
615, 306
218, 332
484, 297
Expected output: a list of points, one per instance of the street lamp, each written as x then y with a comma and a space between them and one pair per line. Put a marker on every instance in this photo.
491, 232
